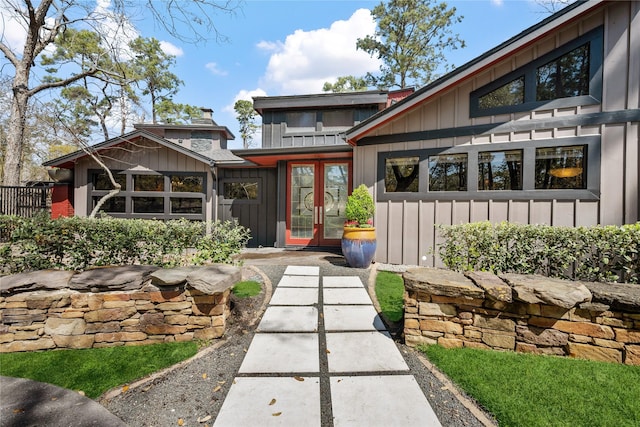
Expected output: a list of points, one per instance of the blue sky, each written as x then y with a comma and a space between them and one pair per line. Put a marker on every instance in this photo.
292, 47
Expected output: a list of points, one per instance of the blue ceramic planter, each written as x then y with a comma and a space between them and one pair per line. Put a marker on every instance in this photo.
359, 246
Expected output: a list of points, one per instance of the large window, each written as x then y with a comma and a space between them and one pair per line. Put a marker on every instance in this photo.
240, 190
500, 170
301, 120
448, 172
568, 76
563, 168
168, 195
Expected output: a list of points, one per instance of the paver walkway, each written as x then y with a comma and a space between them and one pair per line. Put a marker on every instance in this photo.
321, 357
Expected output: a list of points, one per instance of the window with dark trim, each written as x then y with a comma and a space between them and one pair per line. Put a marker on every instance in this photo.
551, 169
245, 190
159, 195
568, 76
500, 170
401, 174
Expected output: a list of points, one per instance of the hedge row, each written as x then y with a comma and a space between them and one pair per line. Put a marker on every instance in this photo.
38, 243
599, 253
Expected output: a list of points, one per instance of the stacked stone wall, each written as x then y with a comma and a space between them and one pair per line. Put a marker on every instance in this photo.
528, 314
157, 306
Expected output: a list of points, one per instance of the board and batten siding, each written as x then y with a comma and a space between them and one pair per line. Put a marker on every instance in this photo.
143, 156
259, 215
407, 230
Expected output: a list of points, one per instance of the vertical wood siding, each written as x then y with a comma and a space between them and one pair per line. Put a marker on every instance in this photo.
259, 217
407, 230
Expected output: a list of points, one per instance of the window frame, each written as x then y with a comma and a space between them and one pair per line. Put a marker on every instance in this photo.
167, 195
529, 192
595, 39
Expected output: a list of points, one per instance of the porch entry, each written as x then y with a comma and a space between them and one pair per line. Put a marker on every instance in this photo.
316, 198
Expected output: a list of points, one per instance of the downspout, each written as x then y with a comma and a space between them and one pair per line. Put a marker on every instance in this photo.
213, 193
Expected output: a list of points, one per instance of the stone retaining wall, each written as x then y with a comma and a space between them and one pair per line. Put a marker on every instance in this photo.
528, 314
106, 307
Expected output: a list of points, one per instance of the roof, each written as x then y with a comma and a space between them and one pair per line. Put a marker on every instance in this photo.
196, 124
486, 60
342, 99
218, 156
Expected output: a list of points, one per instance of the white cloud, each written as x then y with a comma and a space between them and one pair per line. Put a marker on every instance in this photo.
11, 28
215, 69
308, 59
171, 49
497, 2
247, 95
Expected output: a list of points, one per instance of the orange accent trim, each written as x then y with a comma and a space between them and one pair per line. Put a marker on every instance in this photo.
272, 159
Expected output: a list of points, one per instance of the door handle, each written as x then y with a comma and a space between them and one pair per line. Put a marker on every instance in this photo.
320, 214
315, 215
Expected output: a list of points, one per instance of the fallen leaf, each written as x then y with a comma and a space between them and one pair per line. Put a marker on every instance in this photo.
18, 411
273, 402
180, 422
221, 382
299, 378
232, 354
204, 419
321, 314
234, 381
81, 393
204, 376
444, 388
125, 388
328, 351
217, 388
146, 389
276, 414
54, 398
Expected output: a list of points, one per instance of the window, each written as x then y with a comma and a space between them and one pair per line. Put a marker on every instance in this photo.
241, 190
148, 183
565, 77
301, 120
560, 168
551, 169
337, 119
448, 172
401, 174
187, 184
511, 93
101, 181
168, 195
500, 170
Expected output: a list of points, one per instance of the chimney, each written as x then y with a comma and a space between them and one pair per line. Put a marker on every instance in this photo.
207, 113
206, 119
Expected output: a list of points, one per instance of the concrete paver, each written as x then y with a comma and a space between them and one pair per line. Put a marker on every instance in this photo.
277, 353
289, 319
352, 318
346, 296
363, 352
283, 401
299, 282
341, 282
386, 400
295, 296
302, 270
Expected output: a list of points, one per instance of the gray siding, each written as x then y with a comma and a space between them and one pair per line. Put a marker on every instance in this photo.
259, 215
407, 230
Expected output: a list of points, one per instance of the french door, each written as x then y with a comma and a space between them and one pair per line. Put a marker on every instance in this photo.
316, 198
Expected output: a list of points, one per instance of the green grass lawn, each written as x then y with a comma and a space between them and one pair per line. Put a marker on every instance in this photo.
530, 391
95, 370
247, 288
389, 291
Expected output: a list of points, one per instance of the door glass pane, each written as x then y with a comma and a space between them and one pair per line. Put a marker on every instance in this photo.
302, 201
336, 181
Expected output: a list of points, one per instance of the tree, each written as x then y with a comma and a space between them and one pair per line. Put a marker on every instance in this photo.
245, 116
410, 39
150, 67
170, 112
346, 84
47, 20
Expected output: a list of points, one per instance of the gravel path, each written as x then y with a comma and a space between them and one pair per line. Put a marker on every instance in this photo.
192, 393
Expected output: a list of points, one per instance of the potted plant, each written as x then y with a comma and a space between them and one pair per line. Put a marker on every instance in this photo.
359, 234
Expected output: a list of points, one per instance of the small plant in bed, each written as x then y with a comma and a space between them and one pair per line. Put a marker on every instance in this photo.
247, 289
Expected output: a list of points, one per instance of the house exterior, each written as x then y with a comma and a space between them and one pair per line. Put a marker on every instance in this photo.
542, 129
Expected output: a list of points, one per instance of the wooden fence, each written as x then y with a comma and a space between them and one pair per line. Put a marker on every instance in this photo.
24, 201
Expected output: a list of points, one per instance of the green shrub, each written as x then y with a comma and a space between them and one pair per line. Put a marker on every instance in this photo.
78, 243
360, 208
599, 253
